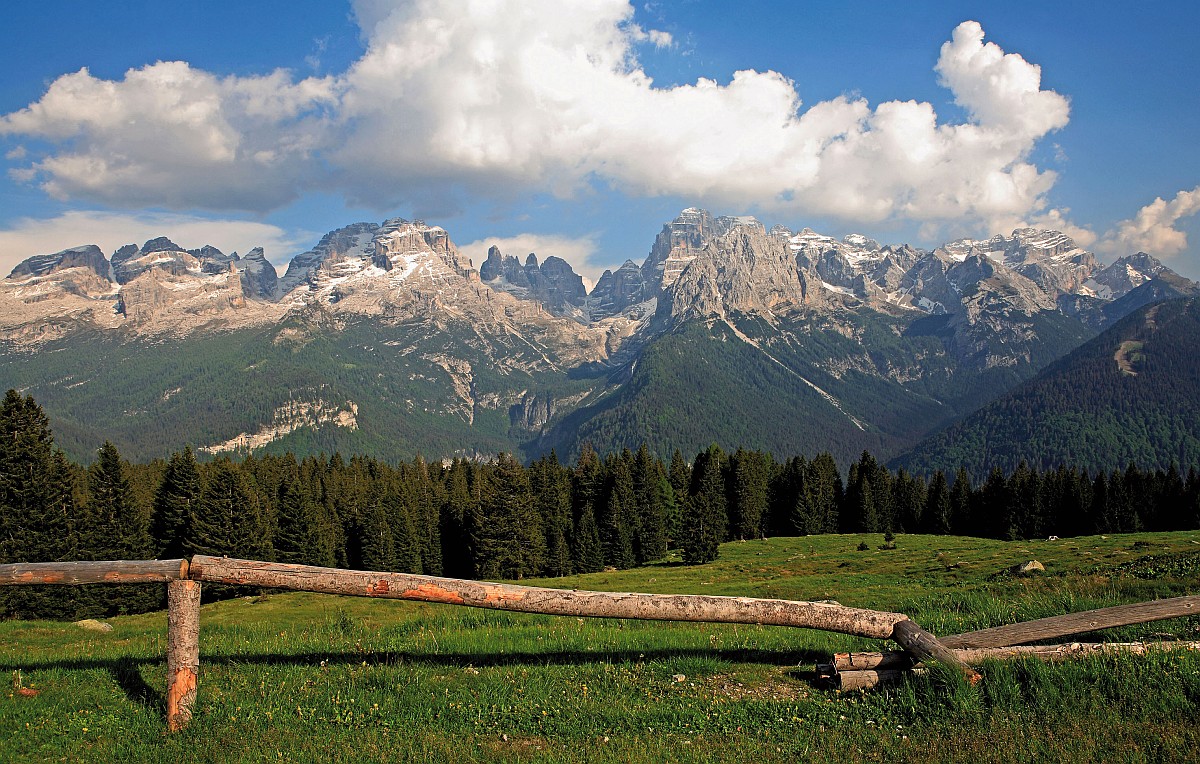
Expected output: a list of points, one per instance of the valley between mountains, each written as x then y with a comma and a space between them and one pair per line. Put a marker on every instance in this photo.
385, 339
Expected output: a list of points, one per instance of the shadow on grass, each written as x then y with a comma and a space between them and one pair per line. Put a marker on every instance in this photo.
128, 673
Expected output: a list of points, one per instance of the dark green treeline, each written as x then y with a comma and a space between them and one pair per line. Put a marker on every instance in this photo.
505, 520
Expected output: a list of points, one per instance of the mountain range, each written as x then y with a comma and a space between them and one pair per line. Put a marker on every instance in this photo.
384, 339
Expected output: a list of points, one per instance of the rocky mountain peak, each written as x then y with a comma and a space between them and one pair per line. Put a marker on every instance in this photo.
259, 279
552, 283
676, 246
743, 269
160, 244
1124, 275
159, 253
88, 257
347, 241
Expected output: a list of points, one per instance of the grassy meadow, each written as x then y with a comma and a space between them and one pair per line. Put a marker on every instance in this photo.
307, 677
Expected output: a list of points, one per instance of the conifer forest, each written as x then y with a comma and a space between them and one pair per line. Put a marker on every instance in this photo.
507, 520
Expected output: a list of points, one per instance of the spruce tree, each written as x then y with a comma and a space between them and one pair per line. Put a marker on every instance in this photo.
1026, 513
421, 497
909, 499
705, 517
654, 502
793, 503
1102, 521
616, 517
587, 492
506, 533
302, 533
680, 476
1125, 518
748, 497
824, 486
454, 519
960, 503
228, 519
37, 509
117, 529
377, 543
586, 553
174, 502
938, 510
864, 515
551, 486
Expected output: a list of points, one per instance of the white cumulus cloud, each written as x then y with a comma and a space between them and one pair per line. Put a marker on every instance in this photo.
108, 230
171, 135
1153, 229
457, 100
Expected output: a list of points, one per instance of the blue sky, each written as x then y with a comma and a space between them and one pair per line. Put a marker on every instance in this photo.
578, 129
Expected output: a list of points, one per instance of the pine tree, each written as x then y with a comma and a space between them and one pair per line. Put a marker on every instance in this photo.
174, 502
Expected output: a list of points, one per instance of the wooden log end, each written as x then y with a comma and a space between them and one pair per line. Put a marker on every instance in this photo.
181, 695
923, 646
866, 679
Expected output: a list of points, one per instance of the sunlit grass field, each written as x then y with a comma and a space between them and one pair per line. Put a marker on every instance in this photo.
307, 677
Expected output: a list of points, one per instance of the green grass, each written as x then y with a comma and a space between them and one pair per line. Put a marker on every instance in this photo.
306, 677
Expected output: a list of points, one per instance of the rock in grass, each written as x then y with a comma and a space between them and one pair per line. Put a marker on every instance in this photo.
1028, 568
91, 624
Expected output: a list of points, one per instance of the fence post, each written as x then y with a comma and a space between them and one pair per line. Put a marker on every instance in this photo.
183, 650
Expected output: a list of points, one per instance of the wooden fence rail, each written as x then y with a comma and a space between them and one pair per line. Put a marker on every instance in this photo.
98, 572
535, 599
183, 579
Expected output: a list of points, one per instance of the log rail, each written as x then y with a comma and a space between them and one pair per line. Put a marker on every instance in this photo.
534, 599
184, 578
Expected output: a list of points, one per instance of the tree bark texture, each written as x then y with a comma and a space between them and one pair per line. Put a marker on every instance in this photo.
1076, 623
532, 599
93, 572
183, 651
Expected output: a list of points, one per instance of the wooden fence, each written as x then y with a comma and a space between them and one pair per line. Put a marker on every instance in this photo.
183, 580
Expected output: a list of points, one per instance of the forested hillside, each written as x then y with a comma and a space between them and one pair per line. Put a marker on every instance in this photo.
1131, 395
